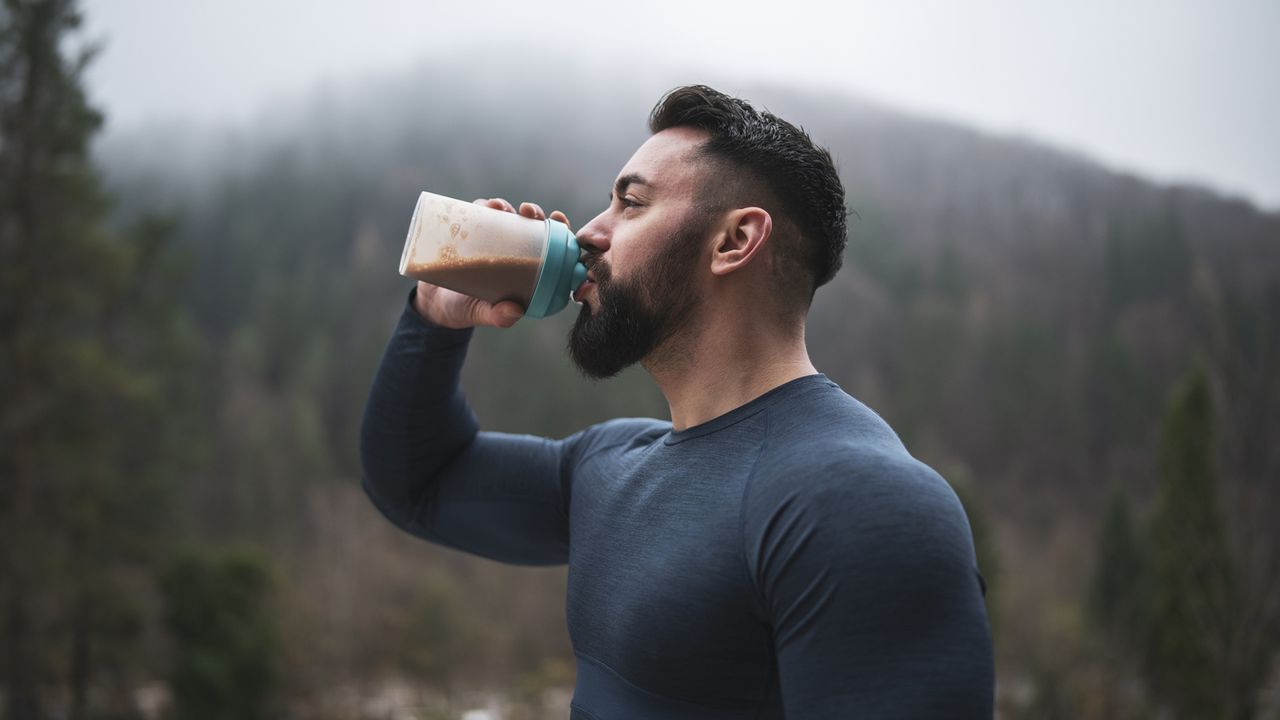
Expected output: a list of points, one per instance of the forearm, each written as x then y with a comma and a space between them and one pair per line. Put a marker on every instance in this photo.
416, 419
429, 470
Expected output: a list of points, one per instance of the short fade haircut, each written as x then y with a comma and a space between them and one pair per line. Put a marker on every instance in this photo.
775, 157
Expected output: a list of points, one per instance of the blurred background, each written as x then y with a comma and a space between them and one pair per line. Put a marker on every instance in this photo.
1062, 288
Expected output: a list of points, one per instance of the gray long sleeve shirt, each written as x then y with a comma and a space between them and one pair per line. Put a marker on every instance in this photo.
786, 559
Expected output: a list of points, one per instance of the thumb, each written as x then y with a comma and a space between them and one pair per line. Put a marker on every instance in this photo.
505, 314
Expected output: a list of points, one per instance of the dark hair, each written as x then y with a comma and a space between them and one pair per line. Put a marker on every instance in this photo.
782, 160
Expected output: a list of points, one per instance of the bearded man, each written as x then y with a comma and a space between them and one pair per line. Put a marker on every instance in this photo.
773, 551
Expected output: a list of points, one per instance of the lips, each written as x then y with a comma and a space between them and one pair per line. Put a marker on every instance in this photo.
590, 282
581, 292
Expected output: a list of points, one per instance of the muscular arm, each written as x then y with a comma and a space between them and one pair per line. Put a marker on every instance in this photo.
430, 471
867, 573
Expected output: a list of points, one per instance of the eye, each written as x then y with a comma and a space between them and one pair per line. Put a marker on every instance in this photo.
626, 201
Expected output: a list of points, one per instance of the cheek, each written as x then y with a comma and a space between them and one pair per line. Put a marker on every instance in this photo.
636, 246
626, 255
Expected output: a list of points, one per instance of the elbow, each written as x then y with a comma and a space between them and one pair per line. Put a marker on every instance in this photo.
403, 449
400, 515
373, 472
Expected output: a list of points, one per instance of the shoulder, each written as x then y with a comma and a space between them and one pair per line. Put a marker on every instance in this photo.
824, 419
862, 492
836, 481
883, 522
827, 446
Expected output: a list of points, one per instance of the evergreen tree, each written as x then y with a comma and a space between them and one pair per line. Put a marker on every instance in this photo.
1117, 599
220, 620
1117, 595
91, 371
1192, 579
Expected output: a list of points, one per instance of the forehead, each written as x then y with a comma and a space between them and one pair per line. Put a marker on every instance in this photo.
666, 160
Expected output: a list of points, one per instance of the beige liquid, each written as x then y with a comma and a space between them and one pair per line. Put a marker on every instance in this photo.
491, 279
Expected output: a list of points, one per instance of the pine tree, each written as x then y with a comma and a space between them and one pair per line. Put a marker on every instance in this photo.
220, 620
91, 369
1192, 579
1117, 599
1117, 595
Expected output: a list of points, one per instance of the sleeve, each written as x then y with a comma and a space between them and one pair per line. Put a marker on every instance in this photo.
868, 576
430, 471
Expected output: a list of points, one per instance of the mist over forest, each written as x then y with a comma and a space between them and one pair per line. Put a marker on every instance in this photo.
1037, 327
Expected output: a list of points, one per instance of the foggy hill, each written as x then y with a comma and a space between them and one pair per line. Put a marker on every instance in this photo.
1018, 312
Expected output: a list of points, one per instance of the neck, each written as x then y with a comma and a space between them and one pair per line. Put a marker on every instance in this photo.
705, 371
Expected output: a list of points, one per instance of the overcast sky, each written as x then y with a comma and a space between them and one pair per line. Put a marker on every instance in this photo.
1172, 89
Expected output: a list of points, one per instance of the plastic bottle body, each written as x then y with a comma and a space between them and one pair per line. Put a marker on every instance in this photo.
478, 251
492, 255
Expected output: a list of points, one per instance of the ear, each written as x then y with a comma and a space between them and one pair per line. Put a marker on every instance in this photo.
745, 231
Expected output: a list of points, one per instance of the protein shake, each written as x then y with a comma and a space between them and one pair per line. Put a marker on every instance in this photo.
492, 255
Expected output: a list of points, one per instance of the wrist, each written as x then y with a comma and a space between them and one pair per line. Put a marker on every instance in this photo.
427, 310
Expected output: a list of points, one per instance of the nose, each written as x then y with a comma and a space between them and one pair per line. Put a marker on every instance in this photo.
594, 236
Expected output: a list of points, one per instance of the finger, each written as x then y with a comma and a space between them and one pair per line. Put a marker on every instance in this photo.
505, 314
557, 215
532, 210
496, 204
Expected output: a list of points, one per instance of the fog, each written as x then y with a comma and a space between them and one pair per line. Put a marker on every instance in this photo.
1173, 90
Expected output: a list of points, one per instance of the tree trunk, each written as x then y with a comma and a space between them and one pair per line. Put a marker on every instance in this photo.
23, 700
81, 668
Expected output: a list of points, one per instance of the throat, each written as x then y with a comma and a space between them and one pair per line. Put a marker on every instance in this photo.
702, 383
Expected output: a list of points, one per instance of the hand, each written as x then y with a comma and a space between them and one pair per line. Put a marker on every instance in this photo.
451, 309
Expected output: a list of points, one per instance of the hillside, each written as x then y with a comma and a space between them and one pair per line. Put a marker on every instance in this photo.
1017, 312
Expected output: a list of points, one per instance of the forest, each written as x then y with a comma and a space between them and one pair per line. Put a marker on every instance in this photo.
191, 318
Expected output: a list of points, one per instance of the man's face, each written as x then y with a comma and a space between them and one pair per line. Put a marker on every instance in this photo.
643, 255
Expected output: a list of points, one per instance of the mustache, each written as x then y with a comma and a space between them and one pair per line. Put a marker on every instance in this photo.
596, 265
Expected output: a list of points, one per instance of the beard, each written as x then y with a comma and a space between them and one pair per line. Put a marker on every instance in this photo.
635, 316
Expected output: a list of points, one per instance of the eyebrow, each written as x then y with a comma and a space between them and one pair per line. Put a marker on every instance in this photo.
620, 186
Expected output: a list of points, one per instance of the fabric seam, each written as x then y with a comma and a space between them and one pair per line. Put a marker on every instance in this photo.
567, 468
758, 597
768, 403
693, 704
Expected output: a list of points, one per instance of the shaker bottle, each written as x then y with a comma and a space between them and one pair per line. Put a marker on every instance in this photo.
492, 255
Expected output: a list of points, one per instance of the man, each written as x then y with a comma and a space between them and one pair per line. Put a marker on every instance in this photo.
772, 551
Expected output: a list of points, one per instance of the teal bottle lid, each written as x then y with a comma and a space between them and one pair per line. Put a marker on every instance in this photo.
560, 275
